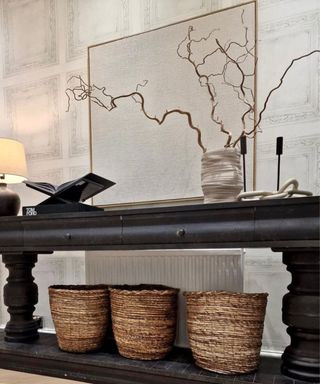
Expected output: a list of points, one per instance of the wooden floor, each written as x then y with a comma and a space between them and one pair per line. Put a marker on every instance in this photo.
13, 377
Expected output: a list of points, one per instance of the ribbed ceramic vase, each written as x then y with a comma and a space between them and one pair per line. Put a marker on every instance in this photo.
221, 176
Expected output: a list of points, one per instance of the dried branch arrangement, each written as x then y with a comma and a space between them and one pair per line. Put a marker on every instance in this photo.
234, 58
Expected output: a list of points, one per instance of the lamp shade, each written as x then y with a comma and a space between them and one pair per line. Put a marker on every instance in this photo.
13, 166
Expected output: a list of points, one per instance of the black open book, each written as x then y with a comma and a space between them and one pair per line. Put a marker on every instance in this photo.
73, 191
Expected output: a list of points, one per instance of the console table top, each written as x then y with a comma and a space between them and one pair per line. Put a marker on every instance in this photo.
274, 223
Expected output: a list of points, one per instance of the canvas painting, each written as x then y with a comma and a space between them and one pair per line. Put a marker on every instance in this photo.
160, 98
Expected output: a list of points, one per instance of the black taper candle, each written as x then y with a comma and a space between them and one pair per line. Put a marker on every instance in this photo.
279, 152
243, 151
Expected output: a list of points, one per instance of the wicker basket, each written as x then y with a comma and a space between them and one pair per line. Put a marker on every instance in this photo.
80, 315
225, 329
144, 320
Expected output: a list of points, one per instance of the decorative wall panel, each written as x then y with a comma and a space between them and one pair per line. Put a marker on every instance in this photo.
292, 6
269, 3
221, 4
95, 22
188, 270
264, 272
157, 13
33, 112
75, 172
26, 48
300, 160
54, 176
298, 98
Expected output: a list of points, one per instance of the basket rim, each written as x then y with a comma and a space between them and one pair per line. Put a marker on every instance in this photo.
79, 287
226, 294
140, 289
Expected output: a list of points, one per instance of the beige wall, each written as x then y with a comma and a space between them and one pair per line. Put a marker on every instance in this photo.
43, 42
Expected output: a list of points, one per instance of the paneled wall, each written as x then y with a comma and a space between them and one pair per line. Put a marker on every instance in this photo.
43, 43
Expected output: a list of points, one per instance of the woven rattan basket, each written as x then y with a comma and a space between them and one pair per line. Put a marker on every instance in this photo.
225, 329
144, 320
80, 315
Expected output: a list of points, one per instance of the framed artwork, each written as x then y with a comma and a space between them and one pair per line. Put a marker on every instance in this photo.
158, 99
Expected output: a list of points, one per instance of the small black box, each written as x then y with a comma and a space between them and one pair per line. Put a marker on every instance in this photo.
57, 208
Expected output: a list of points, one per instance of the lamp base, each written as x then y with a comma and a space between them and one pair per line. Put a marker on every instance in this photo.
9, 201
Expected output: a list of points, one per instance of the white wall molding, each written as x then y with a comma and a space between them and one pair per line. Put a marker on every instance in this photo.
33, 113
300, 160
88, 25
156, 14
264, 271
282, 40
23, 49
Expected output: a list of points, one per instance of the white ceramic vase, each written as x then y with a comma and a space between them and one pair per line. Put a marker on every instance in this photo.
221, 176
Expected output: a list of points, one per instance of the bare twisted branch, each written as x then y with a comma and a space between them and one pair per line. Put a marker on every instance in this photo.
86, 91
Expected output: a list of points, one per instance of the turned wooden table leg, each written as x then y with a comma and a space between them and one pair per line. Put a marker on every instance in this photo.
20, 295
300, 312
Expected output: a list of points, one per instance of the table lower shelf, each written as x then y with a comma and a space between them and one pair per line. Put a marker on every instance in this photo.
108, 367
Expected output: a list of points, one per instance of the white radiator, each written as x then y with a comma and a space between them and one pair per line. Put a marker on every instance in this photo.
189, 270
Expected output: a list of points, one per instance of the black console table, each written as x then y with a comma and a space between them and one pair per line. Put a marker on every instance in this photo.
290, 226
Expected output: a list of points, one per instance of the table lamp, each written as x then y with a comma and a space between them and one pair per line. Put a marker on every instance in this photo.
13, 169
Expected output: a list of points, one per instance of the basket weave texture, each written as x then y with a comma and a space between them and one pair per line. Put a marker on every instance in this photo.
144, 320
80, 315
225, 329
